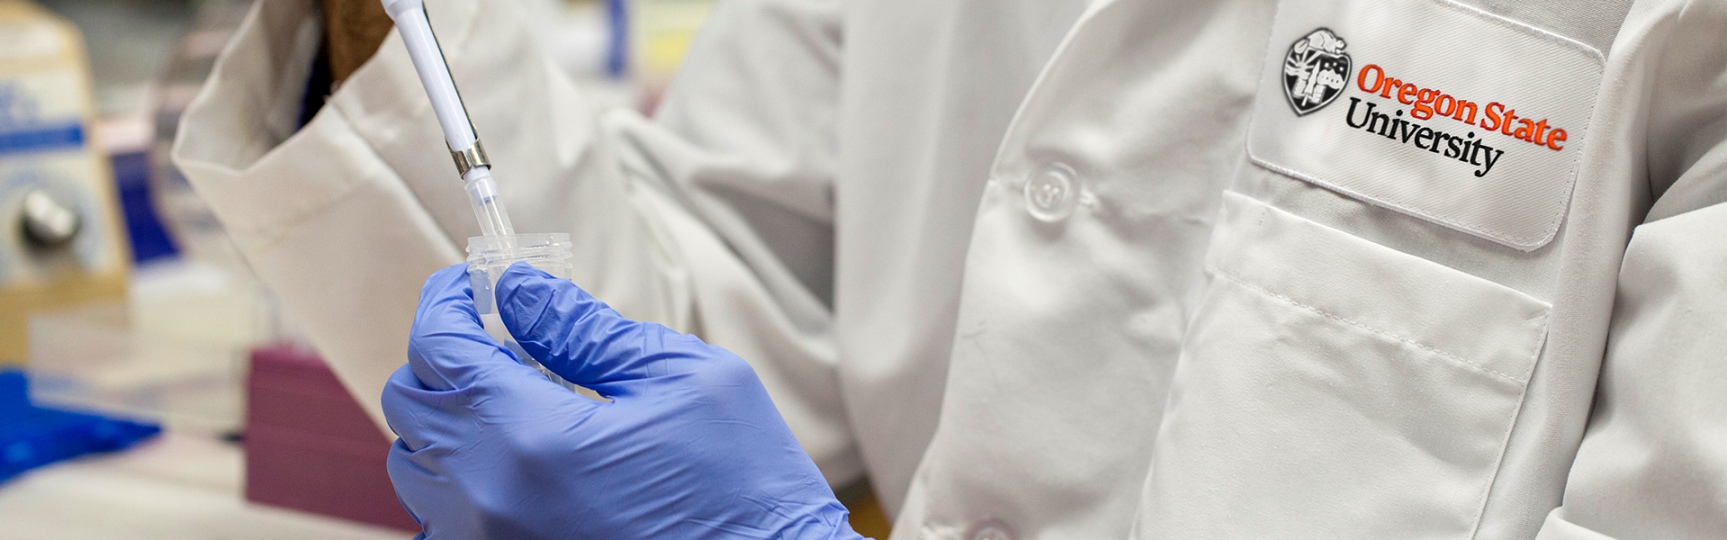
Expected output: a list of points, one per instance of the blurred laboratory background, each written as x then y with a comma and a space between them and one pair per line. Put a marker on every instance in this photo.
148, 386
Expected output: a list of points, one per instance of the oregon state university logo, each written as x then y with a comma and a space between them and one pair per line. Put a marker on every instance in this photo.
1315, 71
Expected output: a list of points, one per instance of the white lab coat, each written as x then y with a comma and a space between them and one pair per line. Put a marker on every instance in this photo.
1056, 270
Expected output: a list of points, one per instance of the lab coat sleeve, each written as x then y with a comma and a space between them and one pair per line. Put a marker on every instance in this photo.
714, 217
1653, 460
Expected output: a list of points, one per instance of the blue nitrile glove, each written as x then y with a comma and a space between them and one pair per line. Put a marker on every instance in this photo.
689, 447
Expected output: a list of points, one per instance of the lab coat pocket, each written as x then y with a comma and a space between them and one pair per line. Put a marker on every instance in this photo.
1331, 387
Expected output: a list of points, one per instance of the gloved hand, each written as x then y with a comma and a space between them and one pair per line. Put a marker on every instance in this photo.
689, 447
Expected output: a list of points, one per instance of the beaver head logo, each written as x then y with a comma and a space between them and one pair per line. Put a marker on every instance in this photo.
1315, 71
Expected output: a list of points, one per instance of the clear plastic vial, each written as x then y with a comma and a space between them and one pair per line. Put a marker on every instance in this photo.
489, 256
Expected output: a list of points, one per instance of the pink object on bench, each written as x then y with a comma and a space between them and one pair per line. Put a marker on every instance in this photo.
309, 445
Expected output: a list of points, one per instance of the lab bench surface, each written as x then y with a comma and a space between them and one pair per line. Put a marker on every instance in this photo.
179, 486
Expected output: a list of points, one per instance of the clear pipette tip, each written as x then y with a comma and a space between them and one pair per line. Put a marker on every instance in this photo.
483, 194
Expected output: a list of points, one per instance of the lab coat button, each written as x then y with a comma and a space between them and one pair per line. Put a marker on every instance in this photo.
1052, 193
990, 530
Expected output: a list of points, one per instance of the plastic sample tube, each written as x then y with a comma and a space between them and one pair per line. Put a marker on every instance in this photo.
490, 256
459, 135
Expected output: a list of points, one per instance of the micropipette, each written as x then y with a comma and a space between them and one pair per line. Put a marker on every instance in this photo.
464, 143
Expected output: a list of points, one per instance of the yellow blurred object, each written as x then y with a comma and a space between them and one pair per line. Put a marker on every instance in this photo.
61, 238
660, 34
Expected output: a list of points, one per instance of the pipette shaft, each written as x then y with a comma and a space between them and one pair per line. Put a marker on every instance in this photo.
459, 135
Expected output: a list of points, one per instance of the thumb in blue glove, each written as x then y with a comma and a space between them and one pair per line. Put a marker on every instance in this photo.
690, 445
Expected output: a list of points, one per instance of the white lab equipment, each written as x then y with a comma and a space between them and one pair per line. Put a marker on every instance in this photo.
465, 147
62, 236
498, 246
